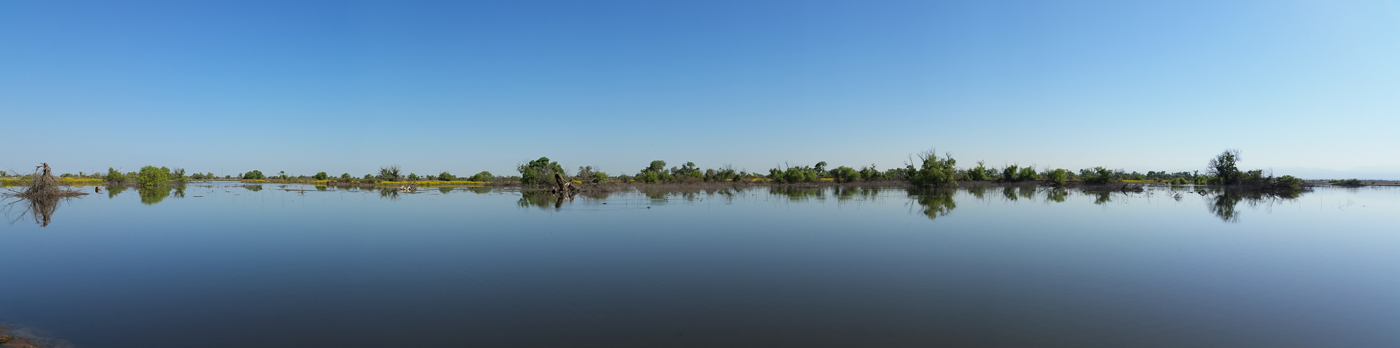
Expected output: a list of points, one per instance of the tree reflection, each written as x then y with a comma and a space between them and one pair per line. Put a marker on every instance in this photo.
153, 195
934, 202
113, 191
41, 208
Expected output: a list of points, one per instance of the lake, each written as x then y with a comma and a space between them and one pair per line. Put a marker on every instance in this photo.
233, 265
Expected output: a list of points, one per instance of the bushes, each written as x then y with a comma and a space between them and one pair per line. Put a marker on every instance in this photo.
1026, 174
872, 174
979, 173
150, 176
482, 176
114, 176
1223, 168
1057, 176
1347, 182
793, 175
445, 176
844, 174
932, 171
390, 173
253, 175
539, 172
321, 176
1099, 176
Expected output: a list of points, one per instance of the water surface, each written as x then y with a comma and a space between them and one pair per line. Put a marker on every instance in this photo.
232, 265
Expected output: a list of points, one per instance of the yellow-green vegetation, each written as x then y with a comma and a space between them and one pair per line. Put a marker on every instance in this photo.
73, 181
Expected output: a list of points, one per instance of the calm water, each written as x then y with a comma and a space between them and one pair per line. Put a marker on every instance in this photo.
227, 266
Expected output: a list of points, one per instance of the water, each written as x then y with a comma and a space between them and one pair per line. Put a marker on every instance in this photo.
219, 265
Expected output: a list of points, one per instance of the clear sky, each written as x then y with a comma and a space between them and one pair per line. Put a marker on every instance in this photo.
461, 86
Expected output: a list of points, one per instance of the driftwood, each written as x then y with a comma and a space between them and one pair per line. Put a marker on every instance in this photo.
562, 186
43, 185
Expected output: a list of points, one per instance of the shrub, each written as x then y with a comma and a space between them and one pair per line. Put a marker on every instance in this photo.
445, 176
321, 176
979, 173
345, 176
600, 177
114, 176
1009, 173
844, 174
482, 176
390, 173
1347, 182
412, 177
1026, 174
1099, 176
1288, 183
539, 172
872, 174
254, 175
793, 175
932, 171
1224, 169
150, 176
1057, 176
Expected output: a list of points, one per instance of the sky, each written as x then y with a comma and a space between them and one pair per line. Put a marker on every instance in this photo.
1310, 88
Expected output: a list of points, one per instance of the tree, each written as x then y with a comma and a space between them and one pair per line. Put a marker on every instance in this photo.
932, 170
114, 176
539, 172
844, 174
345, 176
820, 168
979, 173
1223, 167
150, 176
445, 176
1057, 176
1097, 176
321, 176
482, 176
390, 173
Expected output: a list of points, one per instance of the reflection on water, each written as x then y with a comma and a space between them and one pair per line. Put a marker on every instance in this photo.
1223, 202
708, 267
41, 209
254, 188
935, 202
113, 191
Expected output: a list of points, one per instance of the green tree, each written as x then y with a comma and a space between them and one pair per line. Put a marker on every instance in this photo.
321, 176
1057, 176
1224, 169
114, 176
1026, 174
979, 173
254, 175
844, 174
445, 176
482, 176
390, 173
932, 170
1098, 176
539, 172
345, 176
150, 176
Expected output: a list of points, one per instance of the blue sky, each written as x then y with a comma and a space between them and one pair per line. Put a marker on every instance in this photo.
470, 86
